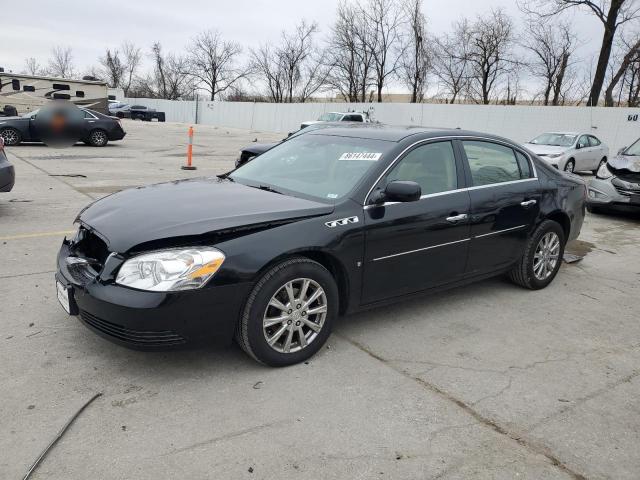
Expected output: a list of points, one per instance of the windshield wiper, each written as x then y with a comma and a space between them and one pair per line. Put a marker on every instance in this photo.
268, 188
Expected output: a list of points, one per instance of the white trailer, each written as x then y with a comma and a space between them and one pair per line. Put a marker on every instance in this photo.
26, 93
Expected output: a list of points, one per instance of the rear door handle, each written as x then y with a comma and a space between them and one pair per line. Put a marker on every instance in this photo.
528, 203
457, 218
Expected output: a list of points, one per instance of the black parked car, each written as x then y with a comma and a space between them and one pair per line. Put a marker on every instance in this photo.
327, 223
7, 174
255, 149
98, 130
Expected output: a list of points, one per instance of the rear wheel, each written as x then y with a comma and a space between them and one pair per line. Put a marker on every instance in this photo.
542, 257
98, 138
602, 162
11, 136
570, 166
289, 314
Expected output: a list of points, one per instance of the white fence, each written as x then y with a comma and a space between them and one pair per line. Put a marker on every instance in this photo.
617, 127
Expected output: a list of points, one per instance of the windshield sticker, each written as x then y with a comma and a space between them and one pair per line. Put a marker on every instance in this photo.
332, 195
367, 156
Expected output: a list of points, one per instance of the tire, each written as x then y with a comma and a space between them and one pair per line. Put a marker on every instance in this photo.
11, 136
523, 272
98, 138
602, 162
570, 166
292, 324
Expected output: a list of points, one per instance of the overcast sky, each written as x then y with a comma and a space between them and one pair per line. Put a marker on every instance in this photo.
30, 29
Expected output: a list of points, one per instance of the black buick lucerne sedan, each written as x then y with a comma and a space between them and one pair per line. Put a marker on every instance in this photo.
331, 222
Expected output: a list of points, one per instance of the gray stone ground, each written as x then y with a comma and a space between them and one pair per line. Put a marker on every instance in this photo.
487, 381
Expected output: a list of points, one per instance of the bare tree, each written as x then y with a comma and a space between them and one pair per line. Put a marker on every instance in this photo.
170, 78
61, 62
350, 58
132, 57
490, 55
384, 19
451, 63
113, 68
294, 69
213, 62
551, 46
611, 13
415, 60
32, 67
630, 56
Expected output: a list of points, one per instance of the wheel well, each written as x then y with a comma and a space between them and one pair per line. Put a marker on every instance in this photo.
329, 262
563, 219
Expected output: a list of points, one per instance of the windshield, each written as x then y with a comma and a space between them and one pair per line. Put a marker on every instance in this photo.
330, 117
325, 167
633, 149
554, 139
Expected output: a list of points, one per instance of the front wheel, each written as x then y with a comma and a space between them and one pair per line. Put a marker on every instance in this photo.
542, 257
570, 166
98, 138
289, 313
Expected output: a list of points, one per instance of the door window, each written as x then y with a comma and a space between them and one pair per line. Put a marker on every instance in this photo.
593, 141
583, 142
492, 163
432, 166
352, 118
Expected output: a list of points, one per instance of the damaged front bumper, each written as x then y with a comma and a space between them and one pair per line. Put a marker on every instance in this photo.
613, 193
144, 319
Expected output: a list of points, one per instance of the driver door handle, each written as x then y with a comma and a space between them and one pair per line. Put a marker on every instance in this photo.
528, 203
457, 218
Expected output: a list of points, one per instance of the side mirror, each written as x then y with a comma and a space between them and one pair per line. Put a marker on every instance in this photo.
578, 146
402, 191
621, 151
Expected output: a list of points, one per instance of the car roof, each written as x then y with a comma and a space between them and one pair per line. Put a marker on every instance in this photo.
566, 133
391, 133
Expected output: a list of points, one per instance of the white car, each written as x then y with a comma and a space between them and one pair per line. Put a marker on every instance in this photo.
338, 117
570, 151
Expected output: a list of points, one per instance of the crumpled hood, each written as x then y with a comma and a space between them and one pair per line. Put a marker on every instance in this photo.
259, 148
544, 149
189, 208
625, 162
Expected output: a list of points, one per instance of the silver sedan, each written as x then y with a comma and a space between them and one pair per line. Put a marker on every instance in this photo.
617, 183
570, 151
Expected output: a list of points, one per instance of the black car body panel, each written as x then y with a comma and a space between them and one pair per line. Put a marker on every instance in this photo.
93, 121
377, 252
7, 173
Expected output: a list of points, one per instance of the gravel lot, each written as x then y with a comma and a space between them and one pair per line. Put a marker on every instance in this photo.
485, 381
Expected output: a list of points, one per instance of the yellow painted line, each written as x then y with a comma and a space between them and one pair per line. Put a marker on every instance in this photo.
38, 235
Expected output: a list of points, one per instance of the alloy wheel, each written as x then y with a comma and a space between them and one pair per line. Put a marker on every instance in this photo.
9, 136
569, 167
295, 315
98, 138
547, 256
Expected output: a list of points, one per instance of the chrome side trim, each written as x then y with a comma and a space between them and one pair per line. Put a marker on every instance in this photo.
449, 243
421, 249
452, 138
500, 231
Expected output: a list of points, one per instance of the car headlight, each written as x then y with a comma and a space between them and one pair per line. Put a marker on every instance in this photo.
171, 270
603, 172
554, 155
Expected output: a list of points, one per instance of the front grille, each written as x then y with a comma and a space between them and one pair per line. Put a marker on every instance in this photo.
163, 338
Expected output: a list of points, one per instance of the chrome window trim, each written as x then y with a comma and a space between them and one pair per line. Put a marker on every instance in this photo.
457, 190
451, 139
